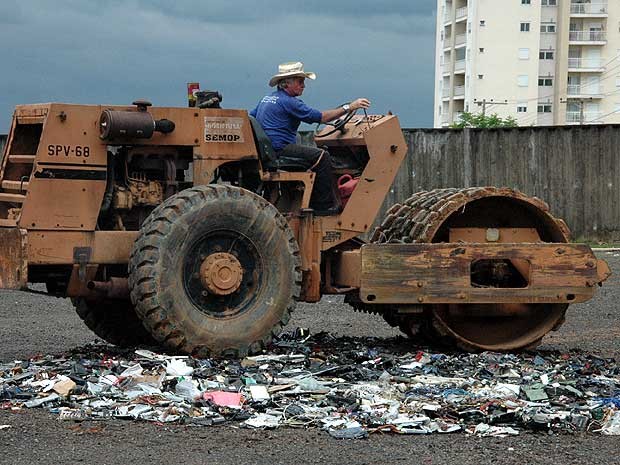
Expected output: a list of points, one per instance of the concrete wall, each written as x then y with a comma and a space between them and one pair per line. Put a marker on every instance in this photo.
575, 169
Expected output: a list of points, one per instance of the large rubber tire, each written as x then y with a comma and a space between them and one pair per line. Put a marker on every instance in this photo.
165, 283
114, 321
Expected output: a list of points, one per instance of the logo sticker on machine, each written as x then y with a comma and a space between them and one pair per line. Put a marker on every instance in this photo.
223, 129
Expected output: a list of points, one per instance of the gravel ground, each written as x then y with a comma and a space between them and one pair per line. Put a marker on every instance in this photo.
32, 324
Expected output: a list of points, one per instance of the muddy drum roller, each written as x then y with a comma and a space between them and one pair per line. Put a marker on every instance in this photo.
491, 268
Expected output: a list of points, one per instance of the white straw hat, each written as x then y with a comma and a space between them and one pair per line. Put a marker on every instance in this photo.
290, 69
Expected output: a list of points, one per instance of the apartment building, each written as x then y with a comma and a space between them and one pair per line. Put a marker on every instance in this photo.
543, 62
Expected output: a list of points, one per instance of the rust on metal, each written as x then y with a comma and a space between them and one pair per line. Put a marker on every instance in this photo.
56, 247
442, 215
13, 264
494, 235
393, 273
113, 288
221, 273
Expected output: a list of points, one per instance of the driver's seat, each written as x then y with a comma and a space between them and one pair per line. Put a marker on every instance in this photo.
267, 155
272, 166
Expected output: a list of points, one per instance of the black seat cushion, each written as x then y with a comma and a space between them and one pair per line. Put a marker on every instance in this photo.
267, 155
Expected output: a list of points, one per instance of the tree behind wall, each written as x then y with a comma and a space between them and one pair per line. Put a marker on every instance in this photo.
470, 120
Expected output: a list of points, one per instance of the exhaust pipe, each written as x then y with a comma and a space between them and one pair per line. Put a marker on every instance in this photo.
114, 288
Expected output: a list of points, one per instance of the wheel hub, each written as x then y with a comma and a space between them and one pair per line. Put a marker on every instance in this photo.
221, 273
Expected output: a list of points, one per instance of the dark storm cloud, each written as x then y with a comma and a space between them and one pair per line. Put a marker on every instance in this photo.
116, 51
222, 10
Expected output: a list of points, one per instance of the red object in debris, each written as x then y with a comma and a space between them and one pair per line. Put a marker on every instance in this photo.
224, 398
346, 186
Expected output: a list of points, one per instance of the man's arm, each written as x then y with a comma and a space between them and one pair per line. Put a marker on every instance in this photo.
330, 115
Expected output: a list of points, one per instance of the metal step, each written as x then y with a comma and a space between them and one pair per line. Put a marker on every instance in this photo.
7, 223
15, 185
24, 159
13, 198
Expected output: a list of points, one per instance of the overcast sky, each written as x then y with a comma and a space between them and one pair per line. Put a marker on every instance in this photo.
116, 51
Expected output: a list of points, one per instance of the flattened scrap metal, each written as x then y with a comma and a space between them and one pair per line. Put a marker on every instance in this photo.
441, 273
13, 264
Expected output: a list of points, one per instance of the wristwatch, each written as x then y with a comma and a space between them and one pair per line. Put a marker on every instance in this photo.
346, 107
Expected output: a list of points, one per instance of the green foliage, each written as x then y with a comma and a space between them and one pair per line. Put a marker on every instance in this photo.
469, 120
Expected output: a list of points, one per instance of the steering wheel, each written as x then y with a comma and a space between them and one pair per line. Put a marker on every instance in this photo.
338, 124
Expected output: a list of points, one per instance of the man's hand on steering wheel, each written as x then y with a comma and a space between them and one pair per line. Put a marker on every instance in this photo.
339, 117
360, 103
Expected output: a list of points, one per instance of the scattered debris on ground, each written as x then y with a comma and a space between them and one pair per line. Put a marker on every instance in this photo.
349, 387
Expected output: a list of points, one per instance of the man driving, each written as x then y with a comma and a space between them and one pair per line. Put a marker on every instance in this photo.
280, 115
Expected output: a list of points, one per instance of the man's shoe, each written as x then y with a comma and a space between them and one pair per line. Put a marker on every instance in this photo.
329, 212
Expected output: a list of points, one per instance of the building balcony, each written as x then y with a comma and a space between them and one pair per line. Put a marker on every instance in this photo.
459, 91
459, 66
461, 14
584, 91
587, 37
445, 119
447, 67
586, 65
573, 117
460, 39
594, 9
445, 92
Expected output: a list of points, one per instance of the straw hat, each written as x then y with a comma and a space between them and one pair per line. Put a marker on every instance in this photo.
290, 69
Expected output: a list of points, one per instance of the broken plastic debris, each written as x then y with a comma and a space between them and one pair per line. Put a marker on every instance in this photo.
338, 384
147, 354
310, 384
223, 398
483, 430
187, 389
132, 371
356, 432
41, 400
612, 425
64, 386
535, 394
177, 367
263, 420
71, 414
259, 392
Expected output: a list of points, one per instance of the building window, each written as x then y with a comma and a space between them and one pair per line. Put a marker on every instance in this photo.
481, 76
481, 49
522, 108
549, 3
482, 22
544, 108
545, 81
545, 55
524, 54
523, 80
525, 2
547, 28
525, 27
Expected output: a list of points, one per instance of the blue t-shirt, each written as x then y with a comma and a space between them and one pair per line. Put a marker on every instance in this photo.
280, 116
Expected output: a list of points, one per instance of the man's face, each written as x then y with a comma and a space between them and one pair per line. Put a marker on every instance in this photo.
296, 86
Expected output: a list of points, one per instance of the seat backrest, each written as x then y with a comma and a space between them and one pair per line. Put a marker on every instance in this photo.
266, 153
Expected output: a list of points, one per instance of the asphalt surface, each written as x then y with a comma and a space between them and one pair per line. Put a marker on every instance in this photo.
32, 324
